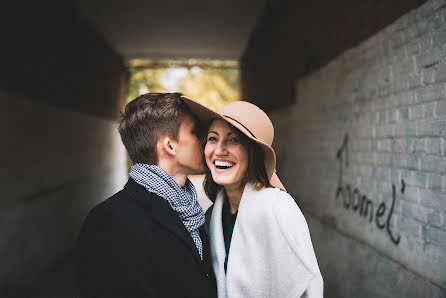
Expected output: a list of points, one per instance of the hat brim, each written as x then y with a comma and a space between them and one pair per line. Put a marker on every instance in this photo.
205, 115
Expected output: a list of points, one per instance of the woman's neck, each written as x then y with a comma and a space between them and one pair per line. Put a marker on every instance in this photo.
234, 197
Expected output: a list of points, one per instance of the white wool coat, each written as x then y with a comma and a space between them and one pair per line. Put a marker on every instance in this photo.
271, 253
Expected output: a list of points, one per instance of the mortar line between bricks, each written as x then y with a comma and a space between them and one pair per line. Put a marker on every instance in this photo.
377, 251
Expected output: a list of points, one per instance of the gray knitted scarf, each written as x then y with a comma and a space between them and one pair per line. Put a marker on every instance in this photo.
181, 199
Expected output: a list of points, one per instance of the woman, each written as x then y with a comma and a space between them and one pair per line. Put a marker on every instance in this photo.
260, 242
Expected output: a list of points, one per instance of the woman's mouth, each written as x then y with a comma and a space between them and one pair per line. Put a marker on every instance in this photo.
223, 165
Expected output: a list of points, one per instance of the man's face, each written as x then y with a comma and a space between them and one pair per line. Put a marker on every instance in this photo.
189, 153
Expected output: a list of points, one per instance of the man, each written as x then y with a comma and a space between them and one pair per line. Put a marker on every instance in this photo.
148, 240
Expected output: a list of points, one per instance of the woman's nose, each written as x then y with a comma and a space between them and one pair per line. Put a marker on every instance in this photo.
221, 148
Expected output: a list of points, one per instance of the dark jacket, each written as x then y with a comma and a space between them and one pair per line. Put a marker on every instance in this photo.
134, 245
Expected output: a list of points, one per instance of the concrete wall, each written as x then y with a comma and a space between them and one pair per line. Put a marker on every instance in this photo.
56, 165
61, 89
363, 152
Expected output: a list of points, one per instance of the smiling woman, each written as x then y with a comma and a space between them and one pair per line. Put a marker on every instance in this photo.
227, 157
260, 242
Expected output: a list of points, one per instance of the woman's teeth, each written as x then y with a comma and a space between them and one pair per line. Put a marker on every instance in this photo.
223, 164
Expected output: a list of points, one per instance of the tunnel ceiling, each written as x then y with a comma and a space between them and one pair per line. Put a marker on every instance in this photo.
174, 29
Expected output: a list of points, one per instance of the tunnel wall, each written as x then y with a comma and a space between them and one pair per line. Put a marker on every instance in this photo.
363, 151
293, 38
61, 90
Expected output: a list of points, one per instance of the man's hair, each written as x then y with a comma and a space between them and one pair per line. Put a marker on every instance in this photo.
255, 175
148, 117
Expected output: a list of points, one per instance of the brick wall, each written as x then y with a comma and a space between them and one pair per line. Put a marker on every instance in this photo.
363, 152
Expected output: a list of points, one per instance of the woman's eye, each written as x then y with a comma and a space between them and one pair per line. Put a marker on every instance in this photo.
234, 140
211, 138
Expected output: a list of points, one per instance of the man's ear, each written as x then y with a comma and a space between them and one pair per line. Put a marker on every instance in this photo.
169, 145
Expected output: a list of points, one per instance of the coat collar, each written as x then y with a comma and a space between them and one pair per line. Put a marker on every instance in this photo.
218, 251
162, 213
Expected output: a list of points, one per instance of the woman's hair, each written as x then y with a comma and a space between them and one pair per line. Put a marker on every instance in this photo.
255, 175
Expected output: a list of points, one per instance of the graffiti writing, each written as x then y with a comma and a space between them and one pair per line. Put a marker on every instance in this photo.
359, 202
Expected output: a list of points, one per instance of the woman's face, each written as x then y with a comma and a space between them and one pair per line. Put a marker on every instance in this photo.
226, 155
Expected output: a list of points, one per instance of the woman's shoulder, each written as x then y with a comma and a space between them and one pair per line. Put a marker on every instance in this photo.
276, 196
282, 204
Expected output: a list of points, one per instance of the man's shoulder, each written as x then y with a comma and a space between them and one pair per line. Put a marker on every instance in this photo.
117, 203
122, 208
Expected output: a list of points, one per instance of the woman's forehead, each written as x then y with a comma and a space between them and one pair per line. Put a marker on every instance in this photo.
221, 125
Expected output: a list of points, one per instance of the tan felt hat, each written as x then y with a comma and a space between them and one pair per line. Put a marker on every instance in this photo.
251, 121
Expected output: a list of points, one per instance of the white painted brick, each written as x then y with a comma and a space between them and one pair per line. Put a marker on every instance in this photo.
411, 194
382, 117
398, 39
437, 4
405, 129
412, 162
383, 159
435, 182
431, 93
384, 145
432, 199
443, 141
434, 146
440, 111
403, 113
392, 116
415, 112
384, 131
434, 218
434, 128
415, 178
399, 145
437, 22
400, 83
427, 75
438, 36
414, 211
425, 43
409, 226
413, 48
440, 73
436, 164
415, 81
429, 110
434, 235
419, 145
363, 145
429, 58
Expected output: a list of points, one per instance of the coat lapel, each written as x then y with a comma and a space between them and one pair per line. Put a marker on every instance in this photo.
162, 214
218, 251
169, 219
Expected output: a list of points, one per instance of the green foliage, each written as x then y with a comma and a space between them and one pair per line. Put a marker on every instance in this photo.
212, 83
